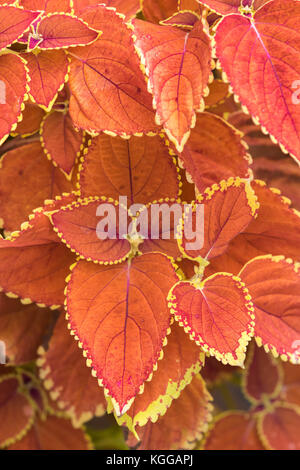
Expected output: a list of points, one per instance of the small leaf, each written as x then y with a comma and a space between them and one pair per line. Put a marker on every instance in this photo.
61, 142
182, 19
69, 380
274, 284
15, 411
225, 7
268, 84
62, 31
108, 89
14, 22
218, 92
214, 152
178, 65
233, 430
139, 168
14, 80
279, 427
183, 424
120, 316
31, 120
23, 328
217, 313
48, 72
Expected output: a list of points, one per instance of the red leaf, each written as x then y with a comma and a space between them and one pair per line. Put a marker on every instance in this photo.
13, 93
276, 230
225, 7
62, 31
23, 329
48, 71
214, 151
157, 10
229, 207
279, 427
268, 83
274, 284
262, 377
85, 8
34, 263
14, 22
61, 142
178, 66
34, 180
183, 424
77, 226
290, 391
31, 120
15, 411
214, 372
68, 378
54, 433
106, 77
182, 19
120, 316
234, 430
139, 168
48, 6
182, 360
217, 313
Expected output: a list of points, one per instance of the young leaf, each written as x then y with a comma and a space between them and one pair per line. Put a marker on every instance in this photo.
183, 424
61, 142
69, 380
279, 427
268, 83
217, 313
108, 89
58, 30
262, 377
182, 360
274, 284
139, 168
214, 151
53, 433
77, 226
229, 207
14, 21
23, 328
120, 316
48, 71
233, 430
15, 411
14, 80
178, 66
34, 180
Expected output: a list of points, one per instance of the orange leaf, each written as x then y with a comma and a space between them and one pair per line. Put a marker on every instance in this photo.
14, 22
69, 380
61, 142
129, 8
279, 427
182, 425
31, 120
58, 30
233, 430
157, 10
229, 207
23, 329
15, 411
34, 180
14, 83
120, 316
225, 7
54, 433
48, 72
48, 6
274, 284
217, 313
214, 152
262, 377
178, 66
218, 92
77, 226
108, 88
182, 360
34, 263
182, 19
290, 391
139, 168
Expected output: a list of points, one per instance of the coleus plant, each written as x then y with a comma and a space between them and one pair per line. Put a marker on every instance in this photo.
149, 101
